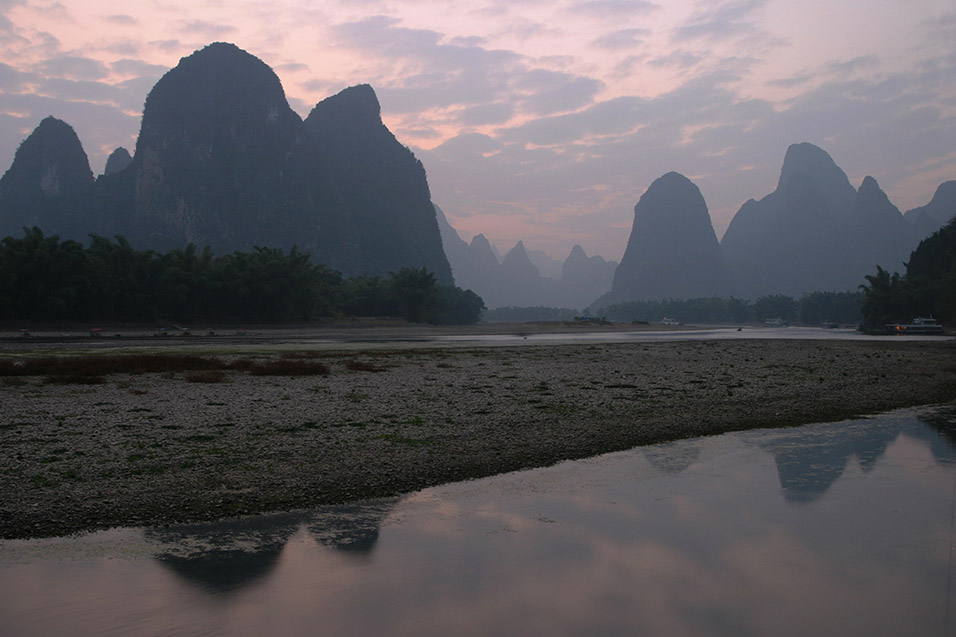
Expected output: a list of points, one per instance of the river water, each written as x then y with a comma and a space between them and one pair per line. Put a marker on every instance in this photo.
831, 529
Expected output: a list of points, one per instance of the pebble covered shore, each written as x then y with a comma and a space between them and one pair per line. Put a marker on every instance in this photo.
165, 447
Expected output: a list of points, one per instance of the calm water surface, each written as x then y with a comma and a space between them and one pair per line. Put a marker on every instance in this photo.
834, 529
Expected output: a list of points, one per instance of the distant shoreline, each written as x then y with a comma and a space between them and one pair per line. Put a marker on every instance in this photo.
166, 447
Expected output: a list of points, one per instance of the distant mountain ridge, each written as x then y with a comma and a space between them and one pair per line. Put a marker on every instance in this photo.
814, 232
516, 280
222, 160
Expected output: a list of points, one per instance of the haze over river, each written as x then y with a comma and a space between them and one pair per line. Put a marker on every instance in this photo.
840, 528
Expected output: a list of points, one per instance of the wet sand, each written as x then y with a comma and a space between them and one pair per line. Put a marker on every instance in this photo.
158, 449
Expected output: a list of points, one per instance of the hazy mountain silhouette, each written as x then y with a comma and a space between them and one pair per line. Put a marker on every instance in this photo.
788, 242
383, 185
881, 234
222, 160
929, 218
672, 251
48, 183
516, 280
547, 266
118, 160
582, 277
456, 249
815, 232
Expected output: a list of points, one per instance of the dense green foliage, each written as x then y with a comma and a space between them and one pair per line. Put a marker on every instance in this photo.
927, 289
45, 279
812, 309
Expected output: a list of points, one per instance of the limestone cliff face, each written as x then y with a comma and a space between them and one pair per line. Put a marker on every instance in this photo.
221, 158
672, 251
383, 185
48, 183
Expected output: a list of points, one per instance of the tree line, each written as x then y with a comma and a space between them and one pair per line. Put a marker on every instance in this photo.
811, 309
45, 279
927, 288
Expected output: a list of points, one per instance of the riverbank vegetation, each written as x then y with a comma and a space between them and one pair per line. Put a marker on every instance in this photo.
45, 279
928, 288
811, 309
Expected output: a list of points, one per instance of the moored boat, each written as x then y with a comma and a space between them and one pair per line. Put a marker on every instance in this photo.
920, 325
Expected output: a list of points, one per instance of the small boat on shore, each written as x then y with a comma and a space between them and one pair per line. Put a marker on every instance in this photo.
920, 325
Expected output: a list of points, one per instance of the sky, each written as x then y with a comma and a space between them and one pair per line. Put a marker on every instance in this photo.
541, 121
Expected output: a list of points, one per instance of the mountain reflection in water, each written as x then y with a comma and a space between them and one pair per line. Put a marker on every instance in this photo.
812, 530
810, 461
226, 556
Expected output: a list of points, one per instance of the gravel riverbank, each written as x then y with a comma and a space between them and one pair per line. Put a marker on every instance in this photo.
176, 446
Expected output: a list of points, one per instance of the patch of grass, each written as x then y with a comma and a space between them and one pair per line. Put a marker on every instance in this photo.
74, 379
362, 366
206, 376
290, 367
79, 369
102, 365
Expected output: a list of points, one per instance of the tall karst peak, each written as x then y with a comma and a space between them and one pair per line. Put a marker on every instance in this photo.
220, 157
355, 106
672, 251
872, 200
383, 184
880, 234
47, 183
51, 162
816, 164
218, 89
118, 160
